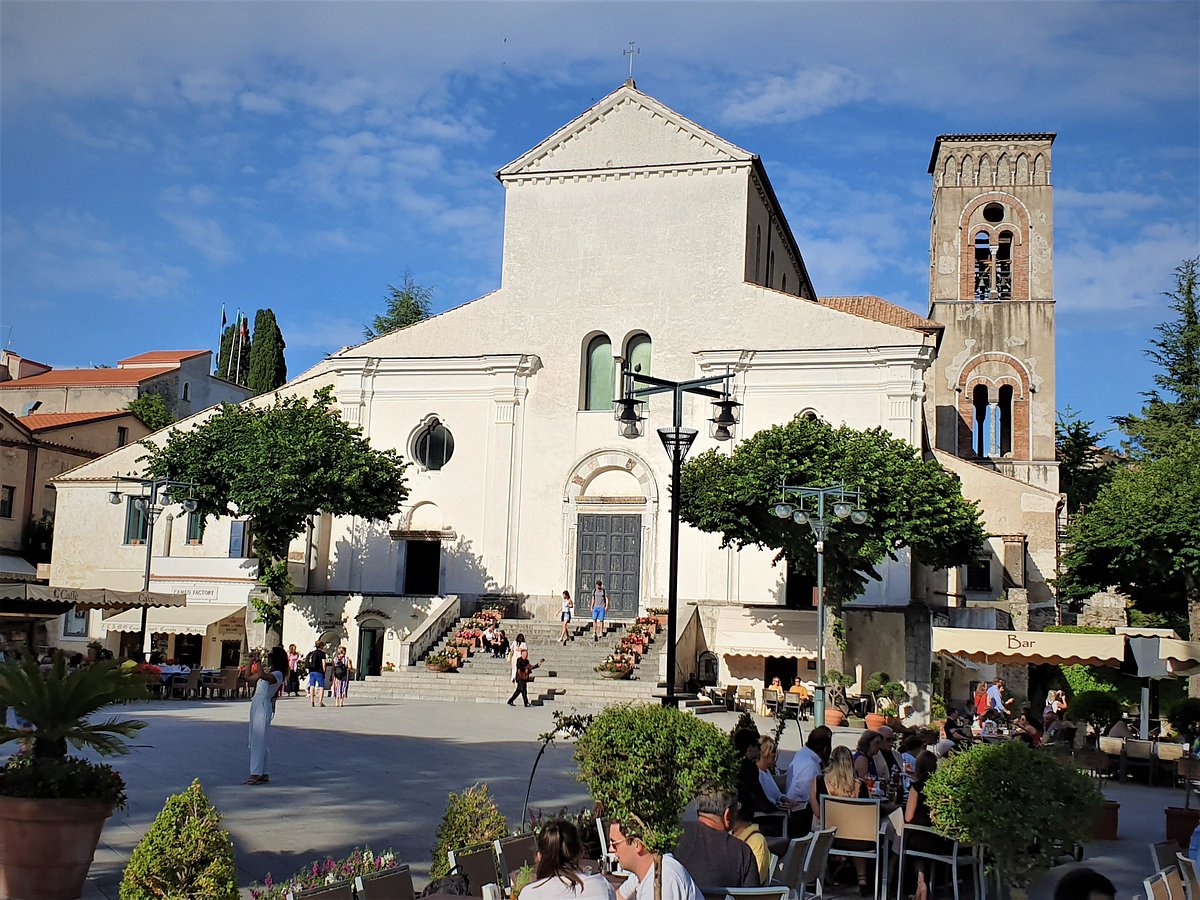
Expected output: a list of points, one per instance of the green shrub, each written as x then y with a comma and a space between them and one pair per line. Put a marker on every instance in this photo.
745, 722
1184, 717
184, 854
644, 763
1096, 708
471, 818
999, 796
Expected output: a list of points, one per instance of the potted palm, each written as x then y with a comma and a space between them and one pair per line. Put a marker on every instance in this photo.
53, 806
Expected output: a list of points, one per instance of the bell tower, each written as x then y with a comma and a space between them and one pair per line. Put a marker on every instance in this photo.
991, 284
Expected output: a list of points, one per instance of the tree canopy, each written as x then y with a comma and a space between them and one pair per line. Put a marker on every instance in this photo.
1082, 469
406, 305
910, 502
268, 368
279, 464
152, 410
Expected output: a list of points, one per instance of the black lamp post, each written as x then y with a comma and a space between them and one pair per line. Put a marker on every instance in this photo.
810, 510
153, 497
677, 441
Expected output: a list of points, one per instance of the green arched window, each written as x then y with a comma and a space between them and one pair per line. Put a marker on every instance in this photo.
637, 354
598, 377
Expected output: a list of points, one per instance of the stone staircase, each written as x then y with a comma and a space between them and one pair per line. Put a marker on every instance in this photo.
567, 677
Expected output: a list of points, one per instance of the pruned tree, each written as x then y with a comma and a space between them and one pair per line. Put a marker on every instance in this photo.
268, 368
406, 305
910, 502
279, 464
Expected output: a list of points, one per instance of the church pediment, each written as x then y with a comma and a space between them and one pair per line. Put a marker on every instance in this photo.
625, 130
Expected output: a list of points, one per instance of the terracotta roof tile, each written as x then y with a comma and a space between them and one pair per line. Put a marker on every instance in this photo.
45, 421
160, 357
57, 378
880, 310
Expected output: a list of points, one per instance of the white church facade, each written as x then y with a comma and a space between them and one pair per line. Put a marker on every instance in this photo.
636, 238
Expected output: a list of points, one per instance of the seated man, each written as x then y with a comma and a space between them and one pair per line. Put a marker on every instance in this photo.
633, 857
806, 765
956, 730
711, 855
488, 638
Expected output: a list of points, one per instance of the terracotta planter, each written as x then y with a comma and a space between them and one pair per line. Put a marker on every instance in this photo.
875, 720
616, 676
661, 620
46, 846
437, 667
1105, 827
1180, 824
834, 717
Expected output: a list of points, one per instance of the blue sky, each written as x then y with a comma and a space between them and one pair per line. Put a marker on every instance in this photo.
159, 159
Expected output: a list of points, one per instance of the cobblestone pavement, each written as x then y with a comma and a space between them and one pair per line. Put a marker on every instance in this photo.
378, 773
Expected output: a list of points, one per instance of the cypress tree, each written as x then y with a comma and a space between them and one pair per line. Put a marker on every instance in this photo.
267, 369
227, 359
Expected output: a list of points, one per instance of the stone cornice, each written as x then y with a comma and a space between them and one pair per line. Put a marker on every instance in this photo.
614, 174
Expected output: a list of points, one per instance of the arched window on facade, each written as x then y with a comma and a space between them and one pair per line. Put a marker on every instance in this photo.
1004, 266
433, 446
598, 374
1004, 413
979, 401
983, 266
783, 284
187, 391
770, 267
637, 354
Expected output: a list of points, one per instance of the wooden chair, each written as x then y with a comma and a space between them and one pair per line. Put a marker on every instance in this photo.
226, 684
477, 865
1114, 753
387, 884
1191, 879
957, 854
1188, 769
512, 853
1156, 887
858, 834
1167, 755
1174, 883
187, 687
341, 890
1163, 855
745, 697
1141, 755
772, 699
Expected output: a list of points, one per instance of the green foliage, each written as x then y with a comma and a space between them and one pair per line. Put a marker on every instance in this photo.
1088, 679
910, 502
185, 853
60, 702
745, 722
1172, 409
937, 707
888, 692
1185, 717
280, 464
152, 410
1082, 470
268, 368
996, 796
644, 763
1100, 709
471, 818
61, 778
38, 540
319, 873
406, 305
231, 366
1142, 534
522, 879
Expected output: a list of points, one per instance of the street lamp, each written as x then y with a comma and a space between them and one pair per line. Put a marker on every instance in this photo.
809, 509
677, 441
154, 495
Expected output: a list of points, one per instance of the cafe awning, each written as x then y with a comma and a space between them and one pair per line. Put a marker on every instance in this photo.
767, 631
1030, 647
196, 619
1159, 652
22, 600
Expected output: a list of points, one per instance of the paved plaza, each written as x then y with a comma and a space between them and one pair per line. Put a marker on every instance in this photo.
378, 773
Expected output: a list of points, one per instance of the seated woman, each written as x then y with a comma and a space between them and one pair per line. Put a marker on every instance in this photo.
869, 744
768, 755
839, 780
916, 812
500, 644
1026, 730
557, 873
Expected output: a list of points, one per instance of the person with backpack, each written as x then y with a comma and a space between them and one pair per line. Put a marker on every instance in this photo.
341, 677
599, 609
315, 663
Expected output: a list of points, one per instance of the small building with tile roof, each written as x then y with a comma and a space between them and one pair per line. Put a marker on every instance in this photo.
183, 378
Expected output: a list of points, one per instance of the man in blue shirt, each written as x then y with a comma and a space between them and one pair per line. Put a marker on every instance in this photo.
996, 699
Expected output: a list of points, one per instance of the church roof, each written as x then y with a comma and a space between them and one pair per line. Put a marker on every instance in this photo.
976, 138
57, 378
567, 149
880, 310
160, 357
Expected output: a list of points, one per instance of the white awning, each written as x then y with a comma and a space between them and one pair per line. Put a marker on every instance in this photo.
766, 631
1159, 652
1030, 647
15, 567
195, 619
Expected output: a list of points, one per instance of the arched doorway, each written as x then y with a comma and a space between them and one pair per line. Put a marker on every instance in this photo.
369, 658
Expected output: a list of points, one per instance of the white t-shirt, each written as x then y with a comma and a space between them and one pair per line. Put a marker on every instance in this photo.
677, 884
805, 767
595, 887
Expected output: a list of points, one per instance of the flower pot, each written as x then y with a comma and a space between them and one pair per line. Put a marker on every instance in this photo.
615, 675
46, 846
1180, 824
875, 721
834, 717
1105, 827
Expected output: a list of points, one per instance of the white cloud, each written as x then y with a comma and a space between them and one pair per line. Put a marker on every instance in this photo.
205, 235
253, 101
780, 99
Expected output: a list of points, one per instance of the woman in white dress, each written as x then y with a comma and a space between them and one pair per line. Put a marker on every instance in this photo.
514, 653
565, 615
556, 870
262, 710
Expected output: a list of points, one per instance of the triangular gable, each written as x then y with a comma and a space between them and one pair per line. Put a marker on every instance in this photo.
626, 129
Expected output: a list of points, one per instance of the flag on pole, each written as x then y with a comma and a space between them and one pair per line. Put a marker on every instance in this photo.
224, 320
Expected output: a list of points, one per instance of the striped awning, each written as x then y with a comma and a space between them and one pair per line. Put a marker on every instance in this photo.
195, 619
1030, 647
766, 631
20, 593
